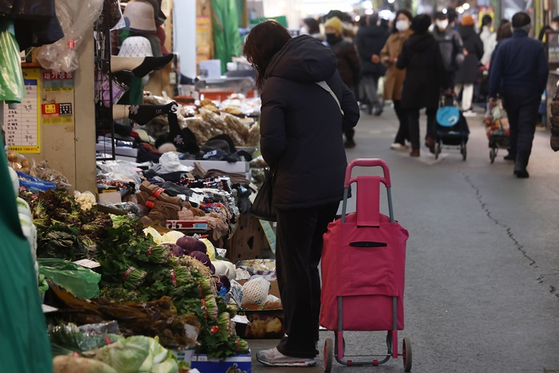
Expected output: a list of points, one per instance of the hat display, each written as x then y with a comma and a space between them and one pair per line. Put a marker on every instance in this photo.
335, 23
135, 46
141, 16
467, 20
160, 17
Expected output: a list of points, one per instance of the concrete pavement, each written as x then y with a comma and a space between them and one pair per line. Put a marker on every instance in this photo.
482, 274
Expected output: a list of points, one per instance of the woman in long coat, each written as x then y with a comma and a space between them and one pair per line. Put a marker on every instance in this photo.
425, 76
468, 72
394, 78
301, 139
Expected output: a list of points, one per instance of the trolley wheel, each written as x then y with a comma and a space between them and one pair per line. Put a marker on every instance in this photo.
328, 354
437, 150
406, 354
492, 155
464, 153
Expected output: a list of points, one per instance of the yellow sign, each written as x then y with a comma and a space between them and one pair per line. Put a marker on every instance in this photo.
23, 124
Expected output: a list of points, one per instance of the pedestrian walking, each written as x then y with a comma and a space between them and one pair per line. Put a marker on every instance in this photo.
311, 27
369, 40
488, 38
348, 62
519, 75
394, 79
468, 71
450, 44
301, 140
425, 76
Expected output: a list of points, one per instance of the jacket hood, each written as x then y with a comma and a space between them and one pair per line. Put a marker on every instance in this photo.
467, 32
303, 59
420, 42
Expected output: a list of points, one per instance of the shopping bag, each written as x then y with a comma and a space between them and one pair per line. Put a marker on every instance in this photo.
262, 207
12, 88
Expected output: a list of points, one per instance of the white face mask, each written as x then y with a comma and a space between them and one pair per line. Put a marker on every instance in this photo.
303, 31
554, 27
402, 25
442, 23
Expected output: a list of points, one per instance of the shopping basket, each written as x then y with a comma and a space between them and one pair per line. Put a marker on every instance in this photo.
363, 270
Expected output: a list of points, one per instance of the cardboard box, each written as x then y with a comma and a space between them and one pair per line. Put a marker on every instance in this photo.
248, 241
234, 364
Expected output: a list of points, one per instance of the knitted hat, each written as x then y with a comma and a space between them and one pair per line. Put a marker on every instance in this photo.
140, 15
467, 20
335, 23
420, 23
135, 46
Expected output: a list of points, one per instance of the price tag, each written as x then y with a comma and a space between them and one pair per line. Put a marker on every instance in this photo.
87, 263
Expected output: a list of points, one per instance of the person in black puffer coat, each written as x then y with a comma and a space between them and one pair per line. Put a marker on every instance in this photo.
301, 139
468, 72
348, 62
425, 76
370, 40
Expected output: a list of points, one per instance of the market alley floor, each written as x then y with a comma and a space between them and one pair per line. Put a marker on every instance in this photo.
482, 272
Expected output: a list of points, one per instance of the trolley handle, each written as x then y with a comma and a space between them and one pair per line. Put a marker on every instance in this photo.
367, 162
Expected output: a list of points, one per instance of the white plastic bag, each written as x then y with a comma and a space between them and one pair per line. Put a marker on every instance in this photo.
76, 18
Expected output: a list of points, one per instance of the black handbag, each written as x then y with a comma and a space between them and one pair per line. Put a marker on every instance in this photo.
262, 207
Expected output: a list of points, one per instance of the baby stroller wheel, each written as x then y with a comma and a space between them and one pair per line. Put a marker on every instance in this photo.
492, 155
464, 152
437, 150
328, 355
406, 354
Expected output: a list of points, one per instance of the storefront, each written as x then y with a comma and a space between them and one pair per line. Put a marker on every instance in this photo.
137, 179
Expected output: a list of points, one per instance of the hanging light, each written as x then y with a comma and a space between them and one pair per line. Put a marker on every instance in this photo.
460, 10
445, 11
466, 6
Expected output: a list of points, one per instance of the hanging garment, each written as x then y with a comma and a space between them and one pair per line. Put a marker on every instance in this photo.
12, 88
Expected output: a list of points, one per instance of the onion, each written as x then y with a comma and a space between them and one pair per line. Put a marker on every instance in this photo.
190, 244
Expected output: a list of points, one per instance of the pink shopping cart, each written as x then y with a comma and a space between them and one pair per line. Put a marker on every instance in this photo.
363, 272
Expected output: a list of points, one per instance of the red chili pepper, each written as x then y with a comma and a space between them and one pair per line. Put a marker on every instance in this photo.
215, 329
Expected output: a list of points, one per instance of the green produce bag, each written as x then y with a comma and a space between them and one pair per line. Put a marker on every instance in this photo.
23, 334
227, 39
77, 280
12, 88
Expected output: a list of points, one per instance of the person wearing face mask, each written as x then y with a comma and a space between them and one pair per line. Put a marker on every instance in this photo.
348, 62
553, 26
369, 41
394, 79
450, 44
518, 74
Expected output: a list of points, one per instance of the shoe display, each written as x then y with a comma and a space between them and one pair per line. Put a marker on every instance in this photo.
414, 153
274, 358
430, 143
469, 113
349, 144
521, 174
397, 146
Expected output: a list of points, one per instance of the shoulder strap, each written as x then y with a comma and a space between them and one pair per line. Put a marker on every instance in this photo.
327, 88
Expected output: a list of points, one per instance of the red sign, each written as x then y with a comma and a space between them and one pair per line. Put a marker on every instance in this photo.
49, 75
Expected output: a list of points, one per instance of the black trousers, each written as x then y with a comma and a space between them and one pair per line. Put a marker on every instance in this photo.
298, 252
403, 130
522, 111
349, 134
413, 125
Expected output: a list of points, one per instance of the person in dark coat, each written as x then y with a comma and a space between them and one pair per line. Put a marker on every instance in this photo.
519, 75
425, 76
348, 62
468, 72
369, 41
450, 43
301, 139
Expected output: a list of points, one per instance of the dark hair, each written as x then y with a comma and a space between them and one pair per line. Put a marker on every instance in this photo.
262, 43
520, 19
504, 31
485, 20
420, 23
555, 19
452, 15
405, 12
313, 25
373, 19
440, 15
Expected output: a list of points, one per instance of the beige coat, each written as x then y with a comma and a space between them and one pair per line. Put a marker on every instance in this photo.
394, 78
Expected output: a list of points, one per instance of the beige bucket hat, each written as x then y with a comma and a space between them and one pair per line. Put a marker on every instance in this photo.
140, 15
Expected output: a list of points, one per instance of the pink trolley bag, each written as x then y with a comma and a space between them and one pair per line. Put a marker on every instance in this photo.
363, 271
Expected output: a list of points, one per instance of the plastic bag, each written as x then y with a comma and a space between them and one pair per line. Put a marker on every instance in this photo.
76, 18
12, 88
77, 280
34, 184
118, 171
